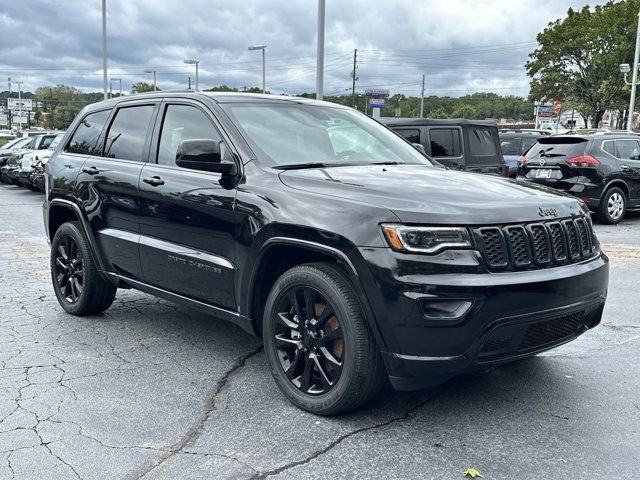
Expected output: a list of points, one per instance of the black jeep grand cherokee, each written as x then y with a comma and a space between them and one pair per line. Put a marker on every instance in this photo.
310, 224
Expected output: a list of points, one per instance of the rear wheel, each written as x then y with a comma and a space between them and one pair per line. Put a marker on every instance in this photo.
612, 206
321, 353
78, 286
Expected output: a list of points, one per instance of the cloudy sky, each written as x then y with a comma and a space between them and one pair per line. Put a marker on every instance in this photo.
462, 46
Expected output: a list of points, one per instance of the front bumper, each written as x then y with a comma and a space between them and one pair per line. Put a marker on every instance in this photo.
511, 315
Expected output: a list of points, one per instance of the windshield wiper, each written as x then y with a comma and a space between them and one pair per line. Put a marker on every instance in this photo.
390, 162
301, 166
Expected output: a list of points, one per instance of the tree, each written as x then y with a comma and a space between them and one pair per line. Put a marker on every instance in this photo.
142, 87
62, 103
578, 58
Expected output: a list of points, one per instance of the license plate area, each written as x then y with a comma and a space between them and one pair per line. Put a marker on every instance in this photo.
544, 173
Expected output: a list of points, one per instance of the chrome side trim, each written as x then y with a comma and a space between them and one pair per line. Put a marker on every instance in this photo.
169, 247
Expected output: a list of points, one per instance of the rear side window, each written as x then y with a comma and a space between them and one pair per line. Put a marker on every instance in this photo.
527, 143
568, 147
482, 147
128, 133
510, 146
412, 135
628, 149
445, 142
85, 138
46, 141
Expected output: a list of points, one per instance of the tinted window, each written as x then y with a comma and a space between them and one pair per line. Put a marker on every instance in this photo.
85, 138
182, 122
412, 135
527, 143
445, 142
609, 147
628, 149
482, 146
46, 141
128, 132
558, 147
510, 146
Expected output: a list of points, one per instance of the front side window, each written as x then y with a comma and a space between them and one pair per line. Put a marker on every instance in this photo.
183, 122
46, 142
445, 142
410, 134
292, 134
85, 138
628, 149
128, 133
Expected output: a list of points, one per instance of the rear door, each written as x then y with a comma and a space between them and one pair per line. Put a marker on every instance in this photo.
628, 155
187, 242
108, 185
483, 150
445, 145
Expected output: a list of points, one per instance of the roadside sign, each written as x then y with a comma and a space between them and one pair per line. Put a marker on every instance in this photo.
556, 106
546, 111
377, 93
376, 102
3, 119
20, 120
16, 105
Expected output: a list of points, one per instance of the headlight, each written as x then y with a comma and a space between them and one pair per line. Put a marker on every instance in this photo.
403, 238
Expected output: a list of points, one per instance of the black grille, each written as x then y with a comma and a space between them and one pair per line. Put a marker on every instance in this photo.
551, 331
517, 240
536, 245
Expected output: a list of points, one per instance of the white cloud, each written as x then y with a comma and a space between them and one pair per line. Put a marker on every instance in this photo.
461, 45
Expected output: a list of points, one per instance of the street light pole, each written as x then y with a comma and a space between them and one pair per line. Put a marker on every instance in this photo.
634, 80
104, 47
263, 48
149, 70
422, 99
193, 62
320, 53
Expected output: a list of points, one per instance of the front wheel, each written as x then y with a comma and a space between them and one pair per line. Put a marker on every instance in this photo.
612, 206
77, 284
319, 348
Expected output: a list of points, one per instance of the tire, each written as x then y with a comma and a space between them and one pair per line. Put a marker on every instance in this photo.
613, 206
85, 292
33, 188
340, 334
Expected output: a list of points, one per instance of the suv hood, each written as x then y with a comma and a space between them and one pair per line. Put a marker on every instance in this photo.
418, 194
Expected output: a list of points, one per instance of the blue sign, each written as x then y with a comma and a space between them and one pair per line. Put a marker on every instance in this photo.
376, 102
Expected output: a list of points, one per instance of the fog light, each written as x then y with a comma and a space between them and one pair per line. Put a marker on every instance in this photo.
445, 309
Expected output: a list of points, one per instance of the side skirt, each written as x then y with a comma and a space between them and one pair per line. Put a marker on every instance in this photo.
233, 317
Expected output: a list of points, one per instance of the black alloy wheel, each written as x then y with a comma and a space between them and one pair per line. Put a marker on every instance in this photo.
69, 270
78, 285
320, 350
309, 340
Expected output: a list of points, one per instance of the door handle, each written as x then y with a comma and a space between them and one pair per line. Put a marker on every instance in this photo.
153, 181
625, 168
90, 170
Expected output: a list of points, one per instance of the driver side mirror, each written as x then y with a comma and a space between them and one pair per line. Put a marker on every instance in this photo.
204, 155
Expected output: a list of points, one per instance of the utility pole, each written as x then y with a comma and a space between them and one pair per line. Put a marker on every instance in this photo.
634, 80
104, 47
353, 74
8, 111
320, 53
189, 82
422, 99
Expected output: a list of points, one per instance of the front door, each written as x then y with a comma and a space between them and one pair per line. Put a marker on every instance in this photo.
186, 216
108, 186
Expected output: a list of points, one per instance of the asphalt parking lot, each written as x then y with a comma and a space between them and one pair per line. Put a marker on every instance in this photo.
152, 390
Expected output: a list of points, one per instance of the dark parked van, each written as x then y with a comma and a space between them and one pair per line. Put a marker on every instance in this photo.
357, 259
471, 145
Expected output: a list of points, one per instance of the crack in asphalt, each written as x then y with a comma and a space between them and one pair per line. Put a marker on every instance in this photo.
196, 429
318, 453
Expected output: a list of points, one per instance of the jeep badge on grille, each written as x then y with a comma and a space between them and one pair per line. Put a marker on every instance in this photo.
547, 212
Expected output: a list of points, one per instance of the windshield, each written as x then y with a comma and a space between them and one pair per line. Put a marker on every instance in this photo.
11, 143
22, 142
295, 134
58, 138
